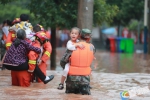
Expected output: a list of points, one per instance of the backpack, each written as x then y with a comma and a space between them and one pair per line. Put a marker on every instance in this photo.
65, 59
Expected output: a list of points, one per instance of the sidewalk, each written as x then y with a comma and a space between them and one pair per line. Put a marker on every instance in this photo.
105, 86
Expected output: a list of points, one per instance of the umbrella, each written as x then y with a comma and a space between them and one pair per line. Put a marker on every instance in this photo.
110, 31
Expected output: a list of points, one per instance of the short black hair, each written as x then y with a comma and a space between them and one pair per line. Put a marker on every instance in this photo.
24, 17
8, 22
36, 28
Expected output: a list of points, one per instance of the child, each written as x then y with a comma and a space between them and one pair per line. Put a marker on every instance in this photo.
46, 47
79, 71
71, 45
19, 23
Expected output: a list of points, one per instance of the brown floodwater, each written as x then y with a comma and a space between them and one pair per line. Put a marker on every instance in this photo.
116, 62
122, 63
112, 73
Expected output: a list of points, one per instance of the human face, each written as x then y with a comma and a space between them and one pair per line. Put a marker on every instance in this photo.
74, 35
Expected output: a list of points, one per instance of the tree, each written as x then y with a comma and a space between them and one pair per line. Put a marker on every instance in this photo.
63, 14
85, 14
128, 9
13, 10
57, 13
6, 1
103, 12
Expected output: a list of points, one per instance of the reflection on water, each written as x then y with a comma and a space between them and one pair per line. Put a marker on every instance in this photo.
122, 62
104, 85
126, 63
115, 62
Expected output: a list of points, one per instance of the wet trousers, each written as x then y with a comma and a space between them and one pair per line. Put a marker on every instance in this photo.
21, 78
25, 67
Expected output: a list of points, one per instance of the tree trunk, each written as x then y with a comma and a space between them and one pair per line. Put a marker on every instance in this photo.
53, 43
85, 14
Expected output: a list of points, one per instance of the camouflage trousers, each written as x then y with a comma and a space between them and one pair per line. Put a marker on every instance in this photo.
78, 84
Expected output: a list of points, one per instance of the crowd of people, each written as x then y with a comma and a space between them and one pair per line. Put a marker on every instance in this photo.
28, 49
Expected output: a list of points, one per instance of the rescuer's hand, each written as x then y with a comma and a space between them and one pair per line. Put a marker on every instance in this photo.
81, 46
40, 61
31, 71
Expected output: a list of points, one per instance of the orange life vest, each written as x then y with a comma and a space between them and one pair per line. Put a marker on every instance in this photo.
81, 60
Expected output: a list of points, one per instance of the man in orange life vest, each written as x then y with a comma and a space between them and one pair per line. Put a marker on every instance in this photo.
86, 57
47, 49
80, 63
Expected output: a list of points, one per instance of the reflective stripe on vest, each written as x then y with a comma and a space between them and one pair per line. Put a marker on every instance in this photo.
47, 53
32, 62
13, 35
8, 44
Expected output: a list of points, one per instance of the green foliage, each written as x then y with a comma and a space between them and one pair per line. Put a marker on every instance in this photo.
6, 1
104, 12
13, 10
133, 25
128, 9
55, 14
58, 13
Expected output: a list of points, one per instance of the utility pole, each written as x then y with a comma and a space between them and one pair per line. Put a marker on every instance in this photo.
145, 25
85, 14
148, 26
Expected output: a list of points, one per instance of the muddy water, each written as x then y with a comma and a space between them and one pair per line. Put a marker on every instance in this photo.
112, 73
116, 62
122, 63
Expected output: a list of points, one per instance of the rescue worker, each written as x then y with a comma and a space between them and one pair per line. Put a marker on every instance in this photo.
16, 61
71, 46
12, 34
41, 37
48, 34
78, 79
47, 49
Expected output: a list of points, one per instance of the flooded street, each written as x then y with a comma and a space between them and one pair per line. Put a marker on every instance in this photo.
112, 73
116, 62
122, 63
